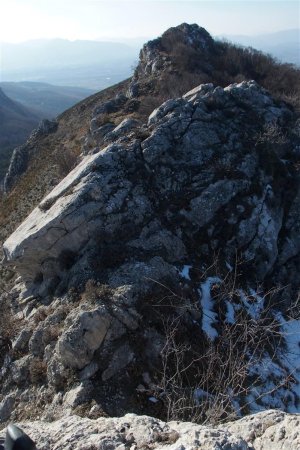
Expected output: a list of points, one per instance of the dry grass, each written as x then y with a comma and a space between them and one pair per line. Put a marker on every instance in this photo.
95, 292
9, 324
38, 371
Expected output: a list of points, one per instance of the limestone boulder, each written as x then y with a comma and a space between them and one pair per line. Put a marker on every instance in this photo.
77, 345
263, 431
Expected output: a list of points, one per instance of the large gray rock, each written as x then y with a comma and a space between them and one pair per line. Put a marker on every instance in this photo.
110, 106
196, 164
120, 359
78, 395
264, 431
154, 56
78, 343
20, 344
20, 156
6, 407
17, 166
20, 369
123, 128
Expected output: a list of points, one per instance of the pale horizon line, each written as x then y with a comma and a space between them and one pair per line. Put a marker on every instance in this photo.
119, 39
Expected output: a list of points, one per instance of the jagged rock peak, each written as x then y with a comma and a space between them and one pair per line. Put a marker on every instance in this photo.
190, 34
155, 54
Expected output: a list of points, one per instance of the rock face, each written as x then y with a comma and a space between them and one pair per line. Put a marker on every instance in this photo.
206, 173
270, 429
77, 345
19, 159
17, 122
155, 55
16, 167
142, 235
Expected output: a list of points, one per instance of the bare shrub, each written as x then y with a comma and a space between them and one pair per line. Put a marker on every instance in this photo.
41, 314
293, 98
104, 119
208, 380
38, 371
51, 333
95, 291
66, 160
228, 63
202, 386
234, 63
272, 134
9, 324
177, 84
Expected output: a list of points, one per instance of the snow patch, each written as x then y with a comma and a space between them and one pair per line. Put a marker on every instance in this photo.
279, 374
229, 266
255, 306
200, 395
185, 272
209, 316
290, 355
230, 314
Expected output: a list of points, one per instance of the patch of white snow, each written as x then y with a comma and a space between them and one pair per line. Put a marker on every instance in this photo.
185, 272
254, 305
209, 316
230, 315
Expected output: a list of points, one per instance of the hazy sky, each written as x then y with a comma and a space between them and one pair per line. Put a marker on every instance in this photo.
101, 19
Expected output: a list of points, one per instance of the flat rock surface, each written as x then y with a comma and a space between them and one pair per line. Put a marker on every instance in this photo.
264, 431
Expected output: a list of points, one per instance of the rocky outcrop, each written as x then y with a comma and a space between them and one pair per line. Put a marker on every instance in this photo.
87, 332
266, 430
17, 122
206, 173
158, 56
46, 126
20, 156
172, 224
17, 166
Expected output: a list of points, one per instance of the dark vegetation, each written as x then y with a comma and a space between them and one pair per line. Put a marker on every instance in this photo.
223, 64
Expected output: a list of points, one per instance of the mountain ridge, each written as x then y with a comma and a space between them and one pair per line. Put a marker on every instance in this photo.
156, 270
169, 84
16, 124
47, 100
284, 45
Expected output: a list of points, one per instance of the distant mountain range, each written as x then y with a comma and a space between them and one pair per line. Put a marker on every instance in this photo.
31, 66
284, 45
23, 105
44, 99
89, 64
